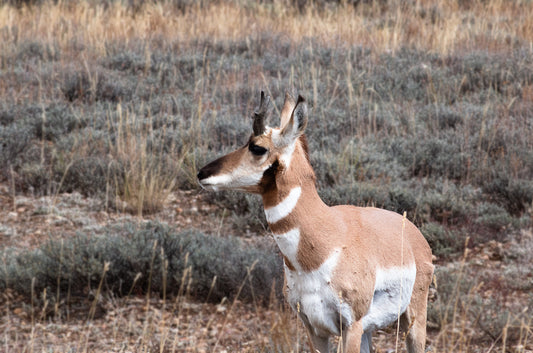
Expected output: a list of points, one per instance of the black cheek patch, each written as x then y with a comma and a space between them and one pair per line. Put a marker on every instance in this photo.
269, 176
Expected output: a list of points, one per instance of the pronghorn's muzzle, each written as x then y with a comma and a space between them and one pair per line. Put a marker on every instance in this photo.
208, 171
202, 174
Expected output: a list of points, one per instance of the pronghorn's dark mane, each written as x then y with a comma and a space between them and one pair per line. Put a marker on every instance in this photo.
305, 146
310, 174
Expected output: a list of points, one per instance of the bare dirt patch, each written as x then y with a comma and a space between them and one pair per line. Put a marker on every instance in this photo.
27, 221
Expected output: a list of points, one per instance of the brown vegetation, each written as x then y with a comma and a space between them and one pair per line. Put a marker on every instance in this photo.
108, 107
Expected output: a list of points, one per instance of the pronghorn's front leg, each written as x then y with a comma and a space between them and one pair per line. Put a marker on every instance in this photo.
352, 338
318, 343
366, 342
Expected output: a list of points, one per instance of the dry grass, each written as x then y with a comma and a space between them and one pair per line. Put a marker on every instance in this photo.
149, 173
136, 324
437, 26
181, 324
84, 32
153, 322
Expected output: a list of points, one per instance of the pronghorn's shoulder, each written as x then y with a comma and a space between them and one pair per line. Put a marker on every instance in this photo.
373, 216
367, 215
375, 224
385, 229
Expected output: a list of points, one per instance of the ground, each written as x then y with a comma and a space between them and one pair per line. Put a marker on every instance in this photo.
143, 323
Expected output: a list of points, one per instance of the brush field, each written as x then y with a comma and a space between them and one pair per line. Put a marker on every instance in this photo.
108, 108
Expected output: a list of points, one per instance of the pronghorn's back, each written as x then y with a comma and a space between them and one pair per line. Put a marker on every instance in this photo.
349, 270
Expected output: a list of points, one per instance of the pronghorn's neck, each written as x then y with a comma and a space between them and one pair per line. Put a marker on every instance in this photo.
283, 202
293, 208
293, 170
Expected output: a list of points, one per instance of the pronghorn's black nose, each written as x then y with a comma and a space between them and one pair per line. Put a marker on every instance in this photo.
211, 169
201, 174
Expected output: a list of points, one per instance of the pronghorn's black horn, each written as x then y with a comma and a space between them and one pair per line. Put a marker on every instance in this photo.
260, 114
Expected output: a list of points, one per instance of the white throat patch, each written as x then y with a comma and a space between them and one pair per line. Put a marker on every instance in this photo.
288, 245
285, 207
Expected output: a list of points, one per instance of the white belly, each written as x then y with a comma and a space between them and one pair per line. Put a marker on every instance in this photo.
392, 295
311, 294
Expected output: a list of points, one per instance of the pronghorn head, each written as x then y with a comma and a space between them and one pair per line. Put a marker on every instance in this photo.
269, 151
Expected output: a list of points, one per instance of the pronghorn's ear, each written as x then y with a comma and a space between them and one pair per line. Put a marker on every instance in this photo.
286, 111
297, 122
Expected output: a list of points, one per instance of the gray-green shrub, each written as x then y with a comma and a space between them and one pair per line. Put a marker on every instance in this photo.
152, 251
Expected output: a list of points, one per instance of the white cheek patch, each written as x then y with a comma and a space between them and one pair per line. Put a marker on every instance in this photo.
311, 294
247, 180
237, 179
285, 207
392, 295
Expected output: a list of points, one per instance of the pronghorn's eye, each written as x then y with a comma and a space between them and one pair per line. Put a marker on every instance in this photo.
257, 150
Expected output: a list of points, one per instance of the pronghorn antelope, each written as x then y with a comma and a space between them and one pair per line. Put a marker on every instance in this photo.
348, 270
